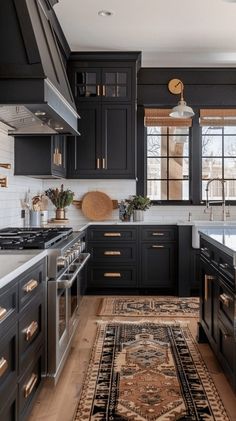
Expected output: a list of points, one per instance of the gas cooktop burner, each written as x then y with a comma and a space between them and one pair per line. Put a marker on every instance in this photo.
31, 238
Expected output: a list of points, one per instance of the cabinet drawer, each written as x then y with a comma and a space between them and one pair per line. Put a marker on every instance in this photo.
8, 409
112, 277
8, 307
225, 266
111, 233
8, 363
29, 385
30, 330
30, 284
113, 252
227, 349
158, 233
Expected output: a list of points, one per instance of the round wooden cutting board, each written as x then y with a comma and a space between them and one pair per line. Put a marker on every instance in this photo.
97, 206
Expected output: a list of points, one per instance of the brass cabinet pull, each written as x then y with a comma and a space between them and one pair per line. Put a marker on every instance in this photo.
30, 286
112, 275
57, 157
158, 233
225, 299
31, 330
225, 334
207, 278
98, 163
112, 234
104, 163
157, 246
103, 90
98, 90
3, 366
28, 388
3, 312
112, 253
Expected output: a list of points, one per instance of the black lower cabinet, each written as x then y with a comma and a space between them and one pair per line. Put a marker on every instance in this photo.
22, 345
158, 267
188, 263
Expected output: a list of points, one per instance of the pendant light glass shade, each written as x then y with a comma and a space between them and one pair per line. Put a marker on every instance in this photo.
182, 110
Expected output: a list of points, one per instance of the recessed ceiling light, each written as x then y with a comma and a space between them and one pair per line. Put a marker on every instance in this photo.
105, 13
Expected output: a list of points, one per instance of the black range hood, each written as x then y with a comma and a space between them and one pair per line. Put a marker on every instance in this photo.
35, 95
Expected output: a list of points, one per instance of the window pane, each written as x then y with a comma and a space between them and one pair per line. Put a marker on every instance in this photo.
212, 146
208, 130
121, 91
214, 190
179, 131
156, 146
230, 146
230, 168
177, 148
110, 78
230, 129
157, 190
211, 168
156, 168
84, 77
178, 168
156, 130
178, 190
230, 190
110, 91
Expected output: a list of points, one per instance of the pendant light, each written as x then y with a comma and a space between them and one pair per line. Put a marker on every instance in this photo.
182, 110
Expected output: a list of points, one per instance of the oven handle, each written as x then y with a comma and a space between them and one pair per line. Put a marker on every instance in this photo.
67, 284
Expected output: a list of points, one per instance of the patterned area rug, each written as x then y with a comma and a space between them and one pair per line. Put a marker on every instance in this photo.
147, 372
150, 306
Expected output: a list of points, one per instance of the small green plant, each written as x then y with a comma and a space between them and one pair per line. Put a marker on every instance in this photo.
60, 198
138, 203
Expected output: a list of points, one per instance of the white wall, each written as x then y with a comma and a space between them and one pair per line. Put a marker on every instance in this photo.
10, 206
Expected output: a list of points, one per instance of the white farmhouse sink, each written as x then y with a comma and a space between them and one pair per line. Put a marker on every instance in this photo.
207, 225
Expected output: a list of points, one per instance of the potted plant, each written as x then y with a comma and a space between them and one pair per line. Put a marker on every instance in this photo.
137, 205
61, 199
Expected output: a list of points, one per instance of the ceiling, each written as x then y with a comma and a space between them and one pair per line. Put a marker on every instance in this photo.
181, 33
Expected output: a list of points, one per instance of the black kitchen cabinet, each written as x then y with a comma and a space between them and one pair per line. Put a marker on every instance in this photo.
158, 259
105, 91
106, 148
101, 84
22, 347
188, 263
40, 156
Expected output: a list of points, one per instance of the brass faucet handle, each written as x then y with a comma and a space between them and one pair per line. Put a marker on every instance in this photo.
3, 182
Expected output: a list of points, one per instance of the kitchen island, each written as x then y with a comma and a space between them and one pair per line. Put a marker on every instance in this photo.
218, 296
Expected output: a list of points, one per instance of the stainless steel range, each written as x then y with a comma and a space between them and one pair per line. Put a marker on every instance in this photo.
65, 283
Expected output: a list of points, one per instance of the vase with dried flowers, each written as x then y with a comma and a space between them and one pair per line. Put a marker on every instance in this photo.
60, 198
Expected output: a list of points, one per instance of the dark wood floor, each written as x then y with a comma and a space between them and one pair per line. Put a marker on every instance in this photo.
59, 403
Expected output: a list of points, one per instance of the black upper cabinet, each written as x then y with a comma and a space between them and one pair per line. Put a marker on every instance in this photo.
94, 84
40, 156
104, 87
105, 148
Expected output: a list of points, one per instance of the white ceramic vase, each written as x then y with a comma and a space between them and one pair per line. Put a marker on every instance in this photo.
138, 215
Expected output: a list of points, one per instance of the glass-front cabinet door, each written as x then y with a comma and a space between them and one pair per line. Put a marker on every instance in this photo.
88, 83
116, 84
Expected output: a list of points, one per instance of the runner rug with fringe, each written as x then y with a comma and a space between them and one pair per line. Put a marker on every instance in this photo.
147, 372
150, 306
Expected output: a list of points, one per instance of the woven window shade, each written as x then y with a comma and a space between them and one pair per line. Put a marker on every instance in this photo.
160, 117
218, 117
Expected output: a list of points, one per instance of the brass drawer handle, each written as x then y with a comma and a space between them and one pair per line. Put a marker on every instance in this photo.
3, 366
98, 90
207, 279
225, 299
112, 253
104, 163
112, 234
31, 330
57, 157
112, 275
98, 163
3, 312
103, 90
28, 388
157, 246
30, 286
159, 234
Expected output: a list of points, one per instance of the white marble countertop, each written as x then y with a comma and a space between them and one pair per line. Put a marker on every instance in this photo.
13, 263
82, 227
222, 237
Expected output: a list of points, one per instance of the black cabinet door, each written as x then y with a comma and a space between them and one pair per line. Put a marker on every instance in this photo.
84, 152
86, 84
158, 266
118, 152
106, 147
116, 84
209, 301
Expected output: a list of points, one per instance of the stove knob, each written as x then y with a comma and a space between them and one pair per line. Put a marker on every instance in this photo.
61, 263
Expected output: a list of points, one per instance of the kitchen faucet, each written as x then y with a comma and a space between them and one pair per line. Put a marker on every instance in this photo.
208, 202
